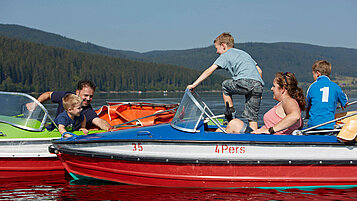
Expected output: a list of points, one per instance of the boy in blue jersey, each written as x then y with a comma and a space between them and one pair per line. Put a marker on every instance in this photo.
72, 119
322, 96
246, 78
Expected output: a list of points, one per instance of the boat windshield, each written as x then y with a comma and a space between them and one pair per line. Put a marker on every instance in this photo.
191, 113
14, 111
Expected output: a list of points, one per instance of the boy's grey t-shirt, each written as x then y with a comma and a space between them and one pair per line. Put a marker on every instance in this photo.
240, 64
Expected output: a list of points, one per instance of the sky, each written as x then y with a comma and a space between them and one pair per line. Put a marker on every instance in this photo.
146, 25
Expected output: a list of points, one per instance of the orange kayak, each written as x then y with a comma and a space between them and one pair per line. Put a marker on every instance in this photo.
128, 114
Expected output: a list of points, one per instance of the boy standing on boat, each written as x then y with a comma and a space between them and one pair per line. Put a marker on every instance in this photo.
246, 78
322, 96
72, 119
85, 90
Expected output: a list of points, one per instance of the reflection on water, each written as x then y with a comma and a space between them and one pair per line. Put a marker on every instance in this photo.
59, 188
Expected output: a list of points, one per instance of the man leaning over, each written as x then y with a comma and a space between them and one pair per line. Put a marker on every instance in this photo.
85, 90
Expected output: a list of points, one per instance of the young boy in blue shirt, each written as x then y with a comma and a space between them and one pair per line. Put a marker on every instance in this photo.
72, 119
322, 96
246, 78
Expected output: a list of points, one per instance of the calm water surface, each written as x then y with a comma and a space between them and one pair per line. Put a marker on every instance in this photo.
61, 187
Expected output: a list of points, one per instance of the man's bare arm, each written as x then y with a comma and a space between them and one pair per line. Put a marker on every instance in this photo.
42, 98
101, 123
259, 71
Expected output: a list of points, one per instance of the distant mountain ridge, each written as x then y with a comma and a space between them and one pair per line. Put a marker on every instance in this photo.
55, 40
272, 57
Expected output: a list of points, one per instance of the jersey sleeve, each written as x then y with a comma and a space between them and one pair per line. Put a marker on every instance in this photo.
221, 62
342, 97
57, 96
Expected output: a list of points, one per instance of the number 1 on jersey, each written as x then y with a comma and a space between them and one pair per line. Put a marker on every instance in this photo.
325, 93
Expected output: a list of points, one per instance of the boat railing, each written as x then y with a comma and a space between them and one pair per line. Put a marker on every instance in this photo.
304, 131
111, 103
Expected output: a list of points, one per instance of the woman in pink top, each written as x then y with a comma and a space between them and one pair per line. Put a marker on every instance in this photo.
283, 118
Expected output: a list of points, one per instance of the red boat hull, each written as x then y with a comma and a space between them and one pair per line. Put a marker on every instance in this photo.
209, 175
29, 167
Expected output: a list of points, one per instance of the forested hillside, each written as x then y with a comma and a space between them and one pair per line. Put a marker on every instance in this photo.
272, 57
28, 67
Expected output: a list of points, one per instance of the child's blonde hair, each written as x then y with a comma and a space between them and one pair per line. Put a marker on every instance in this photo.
323, 66
70, 101
226, 38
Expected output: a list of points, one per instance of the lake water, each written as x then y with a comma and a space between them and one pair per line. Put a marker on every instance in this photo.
61, 187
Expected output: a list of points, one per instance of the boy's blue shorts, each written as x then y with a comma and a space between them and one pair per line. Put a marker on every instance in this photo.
252, 89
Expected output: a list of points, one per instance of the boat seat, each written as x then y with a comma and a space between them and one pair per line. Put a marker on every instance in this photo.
210, 126
164, 117
137, 114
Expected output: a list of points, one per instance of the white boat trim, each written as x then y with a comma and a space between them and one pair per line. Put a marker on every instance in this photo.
214, 152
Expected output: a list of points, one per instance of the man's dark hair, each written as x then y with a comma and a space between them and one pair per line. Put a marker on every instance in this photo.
85, 83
